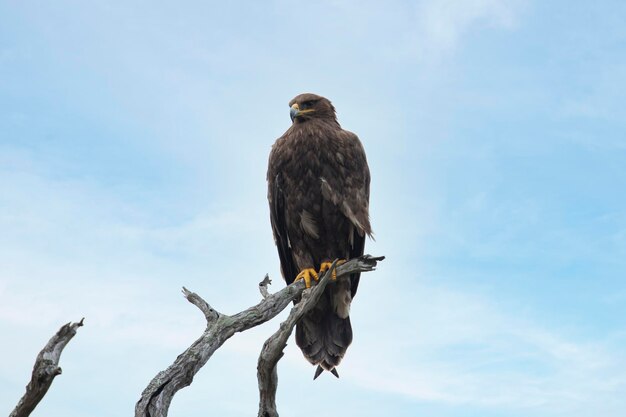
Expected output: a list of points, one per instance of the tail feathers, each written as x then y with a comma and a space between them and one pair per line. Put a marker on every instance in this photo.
324, 338
319, 370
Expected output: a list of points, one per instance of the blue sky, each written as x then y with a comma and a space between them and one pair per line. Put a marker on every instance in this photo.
133, 145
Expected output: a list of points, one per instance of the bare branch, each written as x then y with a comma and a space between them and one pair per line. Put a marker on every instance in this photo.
46, 368
209, 313
273, 347
156, 398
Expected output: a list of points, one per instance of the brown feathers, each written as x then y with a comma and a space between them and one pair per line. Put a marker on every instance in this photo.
318, 190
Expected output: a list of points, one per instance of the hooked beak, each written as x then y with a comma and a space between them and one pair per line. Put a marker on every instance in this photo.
296, 112
293, 112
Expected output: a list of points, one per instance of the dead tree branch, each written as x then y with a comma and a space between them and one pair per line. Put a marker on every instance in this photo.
46, 368
156, 398
272, 351
273, 347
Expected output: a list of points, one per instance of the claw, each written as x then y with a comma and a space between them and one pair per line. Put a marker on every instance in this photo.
306, 275
325, 266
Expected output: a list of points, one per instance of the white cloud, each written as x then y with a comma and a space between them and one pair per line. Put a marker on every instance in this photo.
72, 248
442, 24
461, 349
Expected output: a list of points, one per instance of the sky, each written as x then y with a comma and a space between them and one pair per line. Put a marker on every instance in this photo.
134, 139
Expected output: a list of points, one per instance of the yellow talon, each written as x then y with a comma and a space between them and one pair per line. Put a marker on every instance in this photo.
325, 266
306, 275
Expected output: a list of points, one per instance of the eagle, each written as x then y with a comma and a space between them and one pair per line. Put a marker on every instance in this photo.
318, 191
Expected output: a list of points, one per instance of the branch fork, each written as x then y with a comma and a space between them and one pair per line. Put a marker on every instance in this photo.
157, 396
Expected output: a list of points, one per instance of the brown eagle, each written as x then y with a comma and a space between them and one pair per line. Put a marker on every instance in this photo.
318, 191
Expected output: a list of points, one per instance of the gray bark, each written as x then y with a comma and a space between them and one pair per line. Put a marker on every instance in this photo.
156, 398
46, 368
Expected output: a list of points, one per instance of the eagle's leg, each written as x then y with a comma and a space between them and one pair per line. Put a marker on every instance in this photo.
325, 266
306, 274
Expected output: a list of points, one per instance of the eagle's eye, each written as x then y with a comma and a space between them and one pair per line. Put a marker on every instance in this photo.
306, 104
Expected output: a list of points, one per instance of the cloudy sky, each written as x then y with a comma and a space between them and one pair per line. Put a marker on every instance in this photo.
134, 138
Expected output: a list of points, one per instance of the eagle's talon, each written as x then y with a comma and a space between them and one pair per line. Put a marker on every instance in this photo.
325, 266
306, 275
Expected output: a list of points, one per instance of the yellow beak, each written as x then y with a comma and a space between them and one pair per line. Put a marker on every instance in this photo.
295, 111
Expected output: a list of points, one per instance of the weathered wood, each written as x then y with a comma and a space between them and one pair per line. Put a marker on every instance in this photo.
273, 347
46, 368
272, 352
156, 398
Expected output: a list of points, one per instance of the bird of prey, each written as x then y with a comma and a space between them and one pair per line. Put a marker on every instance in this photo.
318, 192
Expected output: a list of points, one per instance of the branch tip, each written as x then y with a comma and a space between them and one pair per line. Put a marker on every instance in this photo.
46, 368
263, 286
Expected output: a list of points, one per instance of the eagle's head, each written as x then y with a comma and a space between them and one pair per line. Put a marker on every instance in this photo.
310, 106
